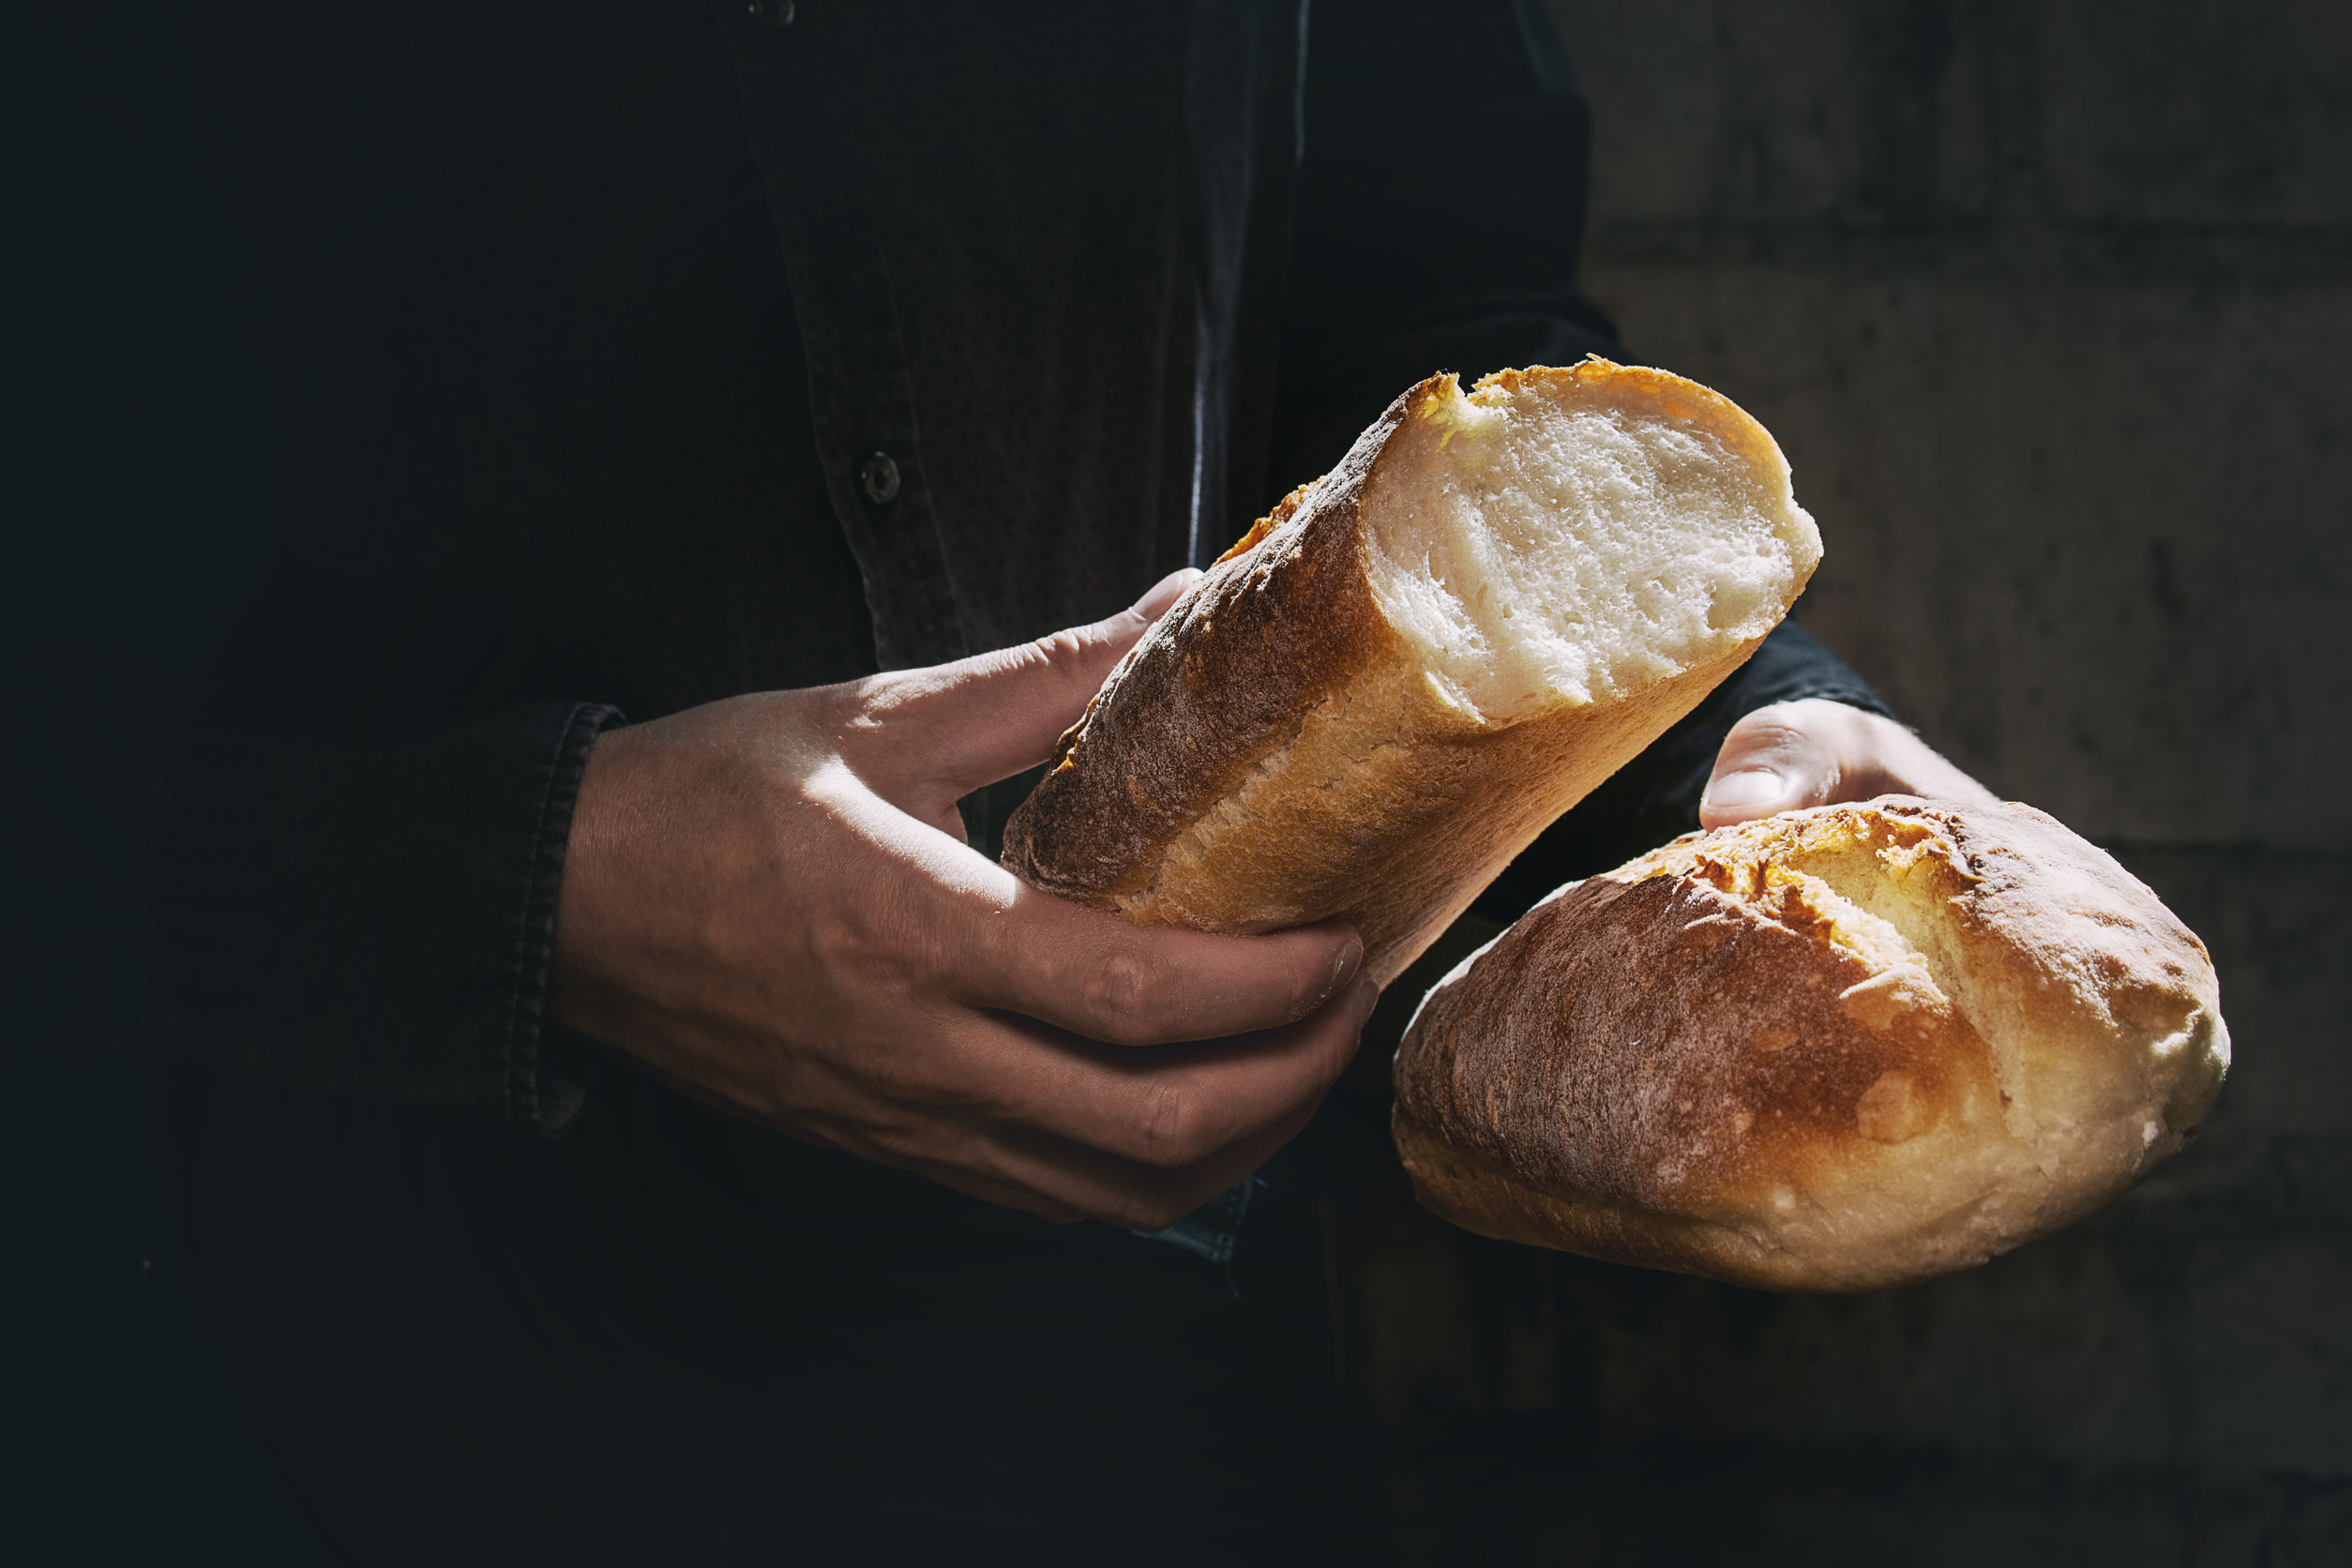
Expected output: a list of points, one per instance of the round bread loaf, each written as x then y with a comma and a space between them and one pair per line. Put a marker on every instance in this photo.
1402, 675
1837, 1049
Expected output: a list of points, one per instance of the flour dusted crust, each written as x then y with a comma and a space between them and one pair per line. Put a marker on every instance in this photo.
1285, 746
1837, 1049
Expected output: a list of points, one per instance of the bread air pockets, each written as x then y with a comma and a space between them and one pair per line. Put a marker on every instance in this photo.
1414, 664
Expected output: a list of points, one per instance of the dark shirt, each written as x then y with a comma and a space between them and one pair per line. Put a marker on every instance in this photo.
506, 369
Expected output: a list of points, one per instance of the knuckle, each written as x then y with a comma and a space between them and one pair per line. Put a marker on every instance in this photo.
1175, 1129
1764, 732
865, 706
1080, 656
1125, 993
1061, 649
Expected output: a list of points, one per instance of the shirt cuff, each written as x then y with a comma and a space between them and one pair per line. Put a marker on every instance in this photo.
531, 1098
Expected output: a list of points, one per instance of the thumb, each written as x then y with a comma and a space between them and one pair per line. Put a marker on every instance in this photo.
942, 732
1773, 761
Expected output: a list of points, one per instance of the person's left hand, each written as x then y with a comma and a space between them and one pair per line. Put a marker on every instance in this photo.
1816, 752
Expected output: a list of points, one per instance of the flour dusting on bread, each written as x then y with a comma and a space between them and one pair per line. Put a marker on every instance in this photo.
1404, 673
1831, 1051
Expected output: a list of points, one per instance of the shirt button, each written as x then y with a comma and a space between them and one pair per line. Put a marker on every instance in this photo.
770, 13
879, 474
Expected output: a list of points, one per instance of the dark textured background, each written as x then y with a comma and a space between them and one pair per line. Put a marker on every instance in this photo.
2048, 305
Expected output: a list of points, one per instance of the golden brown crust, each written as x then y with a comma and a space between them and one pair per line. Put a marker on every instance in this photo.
1273, 752
1264, 637
1835, 1050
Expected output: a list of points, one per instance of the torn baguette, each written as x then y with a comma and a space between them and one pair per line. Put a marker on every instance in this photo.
1406, 671
1835, 1049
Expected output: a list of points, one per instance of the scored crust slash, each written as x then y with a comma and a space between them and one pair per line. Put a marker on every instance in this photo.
1835, 1049
1408, 669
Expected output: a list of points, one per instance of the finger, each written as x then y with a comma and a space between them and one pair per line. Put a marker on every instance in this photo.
1177, 1105
1060, 1128
1819, 752
980, 945
1099, 976
1890, 759
979, 936
1135, 1197
1777, 759
933, 735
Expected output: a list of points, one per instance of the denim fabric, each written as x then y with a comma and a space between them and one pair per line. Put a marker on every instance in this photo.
255, 962
547, 360
1213, 1230
1656, 796
445, 380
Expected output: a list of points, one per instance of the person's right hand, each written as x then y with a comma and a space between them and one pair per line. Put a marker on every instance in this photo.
769, 903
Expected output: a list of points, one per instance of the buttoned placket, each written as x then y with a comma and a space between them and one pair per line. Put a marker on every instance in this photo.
797, 116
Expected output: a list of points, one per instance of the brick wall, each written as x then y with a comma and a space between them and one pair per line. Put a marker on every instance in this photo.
2048, 305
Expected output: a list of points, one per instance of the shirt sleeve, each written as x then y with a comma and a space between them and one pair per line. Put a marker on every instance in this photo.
1655, 797
1439, 219
360, 918
298, 819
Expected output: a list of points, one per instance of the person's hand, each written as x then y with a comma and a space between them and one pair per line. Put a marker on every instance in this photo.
769, 903
1817, 752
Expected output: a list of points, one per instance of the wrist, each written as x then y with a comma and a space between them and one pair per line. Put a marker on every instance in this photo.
584, 894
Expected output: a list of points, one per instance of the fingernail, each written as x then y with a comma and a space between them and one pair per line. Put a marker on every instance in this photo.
1746, 787
1350, 955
